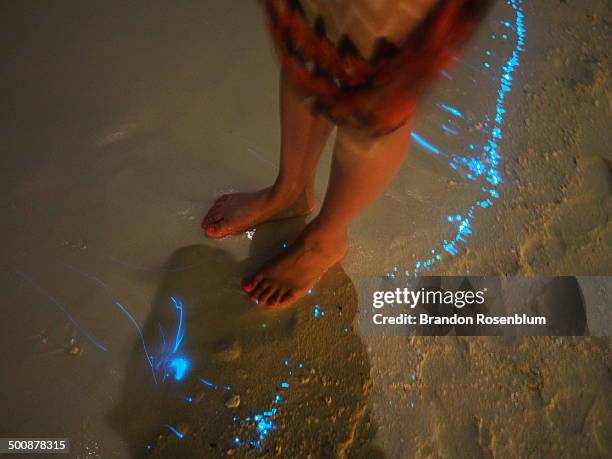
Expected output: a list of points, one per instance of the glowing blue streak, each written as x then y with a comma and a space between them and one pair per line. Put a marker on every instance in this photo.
451, 110
449, 130
179, 330
208, 383
213, 385
178, 365
425, 144
179, 435
142, 340
62, 308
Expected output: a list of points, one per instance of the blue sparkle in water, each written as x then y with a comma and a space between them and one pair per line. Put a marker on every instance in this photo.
263, 423
208, 383
179, 330
425, 144
179, 366
180, 363
142, 340
485, 163
284, 385
451, 110
178, 434
175, 364
213, 385
317, 311
449, 130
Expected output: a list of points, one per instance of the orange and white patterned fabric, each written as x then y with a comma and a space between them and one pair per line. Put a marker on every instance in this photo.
365, 21
365, 63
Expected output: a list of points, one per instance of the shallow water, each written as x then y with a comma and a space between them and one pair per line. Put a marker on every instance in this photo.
122, 122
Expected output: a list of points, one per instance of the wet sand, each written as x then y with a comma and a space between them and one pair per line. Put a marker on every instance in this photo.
122, 122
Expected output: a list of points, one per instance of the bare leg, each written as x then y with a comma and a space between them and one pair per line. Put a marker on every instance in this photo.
362, 169
303, 136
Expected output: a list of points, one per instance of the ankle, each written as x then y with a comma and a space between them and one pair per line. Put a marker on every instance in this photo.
281, 191
318, 229
291, 194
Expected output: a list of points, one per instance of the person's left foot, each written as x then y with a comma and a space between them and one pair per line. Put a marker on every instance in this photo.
288, 277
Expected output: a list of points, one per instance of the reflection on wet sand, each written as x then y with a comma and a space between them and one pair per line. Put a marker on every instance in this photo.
294, 382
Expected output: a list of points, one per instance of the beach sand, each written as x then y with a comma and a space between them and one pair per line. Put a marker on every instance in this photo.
122, 122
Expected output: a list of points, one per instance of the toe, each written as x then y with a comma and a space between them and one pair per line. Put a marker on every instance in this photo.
267, 294
273, 300
250, 284
214, 216
259, 290
211, 217
288, 297
213, 230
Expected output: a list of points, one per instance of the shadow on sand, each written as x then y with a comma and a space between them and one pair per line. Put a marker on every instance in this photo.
242, 357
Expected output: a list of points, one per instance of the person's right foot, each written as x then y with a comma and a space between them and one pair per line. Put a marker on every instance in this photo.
238, 212
288, 277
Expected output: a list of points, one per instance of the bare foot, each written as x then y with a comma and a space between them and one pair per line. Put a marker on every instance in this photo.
237, 212
289, 276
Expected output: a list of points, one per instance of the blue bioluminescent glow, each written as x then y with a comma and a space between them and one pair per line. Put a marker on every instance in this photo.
142, 340
451, 110
483, 163
425, 144
179, 366
62, 308
170, 360
213, 385
263, 422
176, 432
179, 330
449, 130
